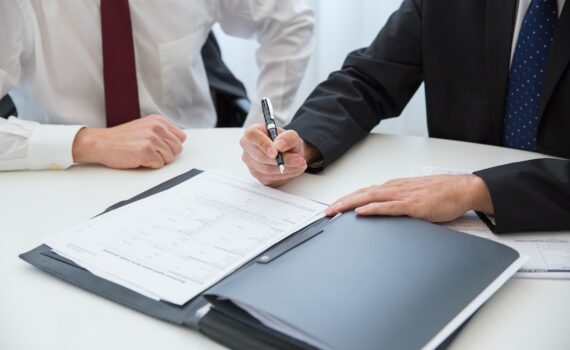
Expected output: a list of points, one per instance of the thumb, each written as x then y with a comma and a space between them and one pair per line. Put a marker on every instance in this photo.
288, 141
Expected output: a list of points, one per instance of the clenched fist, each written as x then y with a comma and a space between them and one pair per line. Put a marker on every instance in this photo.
149, 142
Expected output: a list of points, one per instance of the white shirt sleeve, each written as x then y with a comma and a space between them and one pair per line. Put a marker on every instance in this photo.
25, 144
285, 31
30, 145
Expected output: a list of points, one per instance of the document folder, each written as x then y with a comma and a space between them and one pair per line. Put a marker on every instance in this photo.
347, 283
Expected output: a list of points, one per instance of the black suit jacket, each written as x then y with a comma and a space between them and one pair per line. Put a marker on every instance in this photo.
461, 49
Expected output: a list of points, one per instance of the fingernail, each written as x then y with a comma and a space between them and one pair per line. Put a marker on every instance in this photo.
334, 208
360, 210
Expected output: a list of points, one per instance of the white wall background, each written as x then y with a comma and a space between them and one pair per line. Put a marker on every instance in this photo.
341, 26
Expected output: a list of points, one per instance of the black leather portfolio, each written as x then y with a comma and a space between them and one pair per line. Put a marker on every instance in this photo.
347, 283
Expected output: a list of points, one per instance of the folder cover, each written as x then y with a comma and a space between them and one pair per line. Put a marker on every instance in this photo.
348, 283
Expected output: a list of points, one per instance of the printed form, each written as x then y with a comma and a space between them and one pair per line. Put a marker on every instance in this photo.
549, 252
177, 243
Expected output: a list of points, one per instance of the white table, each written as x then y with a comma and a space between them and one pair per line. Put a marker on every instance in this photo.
38, 311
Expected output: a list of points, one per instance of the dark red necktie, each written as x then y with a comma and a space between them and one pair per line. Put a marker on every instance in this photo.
119, 69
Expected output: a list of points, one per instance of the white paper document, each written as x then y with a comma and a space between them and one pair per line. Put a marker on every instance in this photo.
549, 252
177, 243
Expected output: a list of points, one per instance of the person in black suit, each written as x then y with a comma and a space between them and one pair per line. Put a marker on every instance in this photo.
495, 72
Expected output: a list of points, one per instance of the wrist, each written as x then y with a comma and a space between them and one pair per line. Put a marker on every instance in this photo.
311, 153
85, 146
479, 195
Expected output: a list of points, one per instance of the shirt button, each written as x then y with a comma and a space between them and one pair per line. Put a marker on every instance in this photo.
54, 166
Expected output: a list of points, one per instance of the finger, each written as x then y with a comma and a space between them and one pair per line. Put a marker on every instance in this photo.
153, 160
288, 141
291, 160
176, 131
272, 169
161, 131
257, 136
165, 152
269, 180
179, 133
392, 208
173, 142
256, 153
362, 197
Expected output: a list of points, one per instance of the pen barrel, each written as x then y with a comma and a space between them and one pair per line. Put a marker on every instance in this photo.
272, 133
279, 159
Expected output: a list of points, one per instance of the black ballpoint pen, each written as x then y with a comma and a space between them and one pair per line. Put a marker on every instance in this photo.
267, 109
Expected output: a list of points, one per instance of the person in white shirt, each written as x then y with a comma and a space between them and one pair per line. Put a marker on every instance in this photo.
53, 66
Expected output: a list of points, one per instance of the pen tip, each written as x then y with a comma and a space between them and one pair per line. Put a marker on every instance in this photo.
282, 168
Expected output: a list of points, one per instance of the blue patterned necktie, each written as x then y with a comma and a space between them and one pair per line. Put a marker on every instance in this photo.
527, 75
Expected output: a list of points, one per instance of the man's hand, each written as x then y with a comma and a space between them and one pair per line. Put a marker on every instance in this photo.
259, 154
437, 198
149, 142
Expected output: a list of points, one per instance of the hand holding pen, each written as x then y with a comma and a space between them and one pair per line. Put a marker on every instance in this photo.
260, 153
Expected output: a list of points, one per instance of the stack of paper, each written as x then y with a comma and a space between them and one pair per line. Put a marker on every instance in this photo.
175, 244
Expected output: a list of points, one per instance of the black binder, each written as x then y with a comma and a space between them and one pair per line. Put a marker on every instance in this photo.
347, 283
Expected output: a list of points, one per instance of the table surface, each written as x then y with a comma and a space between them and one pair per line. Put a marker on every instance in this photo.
38, 311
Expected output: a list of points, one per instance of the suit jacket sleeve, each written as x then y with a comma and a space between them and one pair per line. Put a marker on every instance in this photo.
530, 196
374, 83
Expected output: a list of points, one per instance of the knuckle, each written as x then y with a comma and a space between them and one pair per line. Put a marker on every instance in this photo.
153, 138
148, 147
157, 128
292, 135
265, 142
369, 195
251, 133
177, 148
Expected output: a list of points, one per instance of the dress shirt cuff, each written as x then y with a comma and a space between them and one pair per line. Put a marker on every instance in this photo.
50, 147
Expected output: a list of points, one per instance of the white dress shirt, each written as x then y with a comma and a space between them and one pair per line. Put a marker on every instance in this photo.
51, 64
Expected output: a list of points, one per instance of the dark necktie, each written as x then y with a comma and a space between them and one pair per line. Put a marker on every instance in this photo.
527, 75
119, 69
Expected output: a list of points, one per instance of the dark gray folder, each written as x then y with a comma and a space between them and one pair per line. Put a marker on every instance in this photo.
349, 283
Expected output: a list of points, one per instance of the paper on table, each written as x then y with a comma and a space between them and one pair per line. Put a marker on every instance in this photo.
549, 252
179, 242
